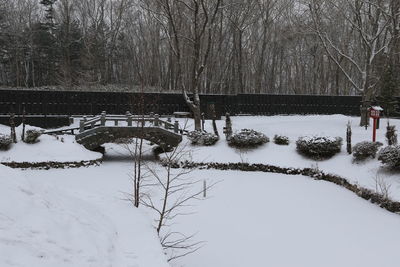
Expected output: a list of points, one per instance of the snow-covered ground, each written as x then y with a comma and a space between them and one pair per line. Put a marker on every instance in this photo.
49, 148
72, 218
249, 219
258, 219
363, 173
79, 217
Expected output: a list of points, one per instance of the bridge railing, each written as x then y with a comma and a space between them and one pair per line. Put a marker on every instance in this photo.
131, 121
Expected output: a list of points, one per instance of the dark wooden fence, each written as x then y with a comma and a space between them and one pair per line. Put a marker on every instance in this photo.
52, 104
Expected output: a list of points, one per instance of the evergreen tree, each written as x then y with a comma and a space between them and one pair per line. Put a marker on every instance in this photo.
389, 91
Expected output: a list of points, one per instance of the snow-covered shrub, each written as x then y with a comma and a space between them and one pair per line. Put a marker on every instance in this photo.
281, 140
202, 138
390, 156
31, 136
248, 138
319, 147
365, 149
391, 135
5, 142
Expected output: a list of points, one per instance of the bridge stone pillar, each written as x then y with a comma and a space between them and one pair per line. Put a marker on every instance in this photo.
82, 124
176, 127
103, 118
156, 120
129, 118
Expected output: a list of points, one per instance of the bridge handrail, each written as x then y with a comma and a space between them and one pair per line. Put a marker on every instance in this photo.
85, 124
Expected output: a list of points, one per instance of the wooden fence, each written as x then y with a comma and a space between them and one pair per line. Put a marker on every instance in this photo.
66, 103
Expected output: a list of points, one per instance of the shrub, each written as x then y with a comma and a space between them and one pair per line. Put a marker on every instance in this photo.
202, 138
5, 142
319, 147
390, 156
31, 136
365, 149
391, 135
248, 138
281, 140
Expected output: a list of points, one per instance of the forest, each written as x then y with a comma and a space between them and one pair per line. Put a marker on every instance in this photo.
324, 47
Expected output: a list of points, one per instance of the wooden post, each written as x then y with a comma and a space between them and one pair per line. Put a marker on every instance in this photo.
103, 119
156, 120
23, 123
12, 128
203, 120
176, 127
204, 188
348, 138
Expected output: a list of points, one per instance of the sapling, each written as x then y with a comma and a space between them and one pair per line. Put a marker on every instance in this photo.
175, 191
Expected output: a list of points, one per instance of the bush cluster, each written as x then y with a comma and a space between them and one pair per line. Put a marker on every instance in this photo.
248, 138
202, 138
31, 136
365, 149
5, 142
390, 156
319, 147
281, 140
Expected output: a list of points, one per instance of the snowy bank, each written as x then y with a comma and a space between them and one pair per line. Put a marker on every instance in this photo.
42, 224
49, 148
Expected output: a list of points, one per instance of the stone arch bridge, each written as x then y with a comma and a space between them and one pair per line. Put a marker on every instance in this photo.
105, 128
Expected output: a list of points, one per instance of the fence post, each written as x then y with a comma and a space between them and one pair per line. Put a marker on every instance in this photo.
103, 118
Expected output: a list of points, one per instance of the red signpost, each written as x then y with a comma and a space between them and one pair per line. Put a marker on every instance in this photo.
374, 114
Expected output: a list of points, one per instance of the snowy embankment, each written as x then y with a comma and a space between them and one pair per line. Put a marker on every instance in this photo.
57, 224
364, 173
49, 148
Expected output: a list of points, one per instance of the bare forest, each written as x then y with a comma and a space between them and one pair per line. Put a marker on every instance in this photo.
327, 47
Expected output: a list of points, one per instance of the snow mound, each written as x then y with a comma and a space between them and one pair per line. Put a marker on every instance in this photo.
43, 226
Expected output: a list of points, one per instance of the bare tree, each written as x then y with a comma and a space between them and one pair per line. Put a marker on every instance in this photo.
369, 22
189, 27
177, 192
